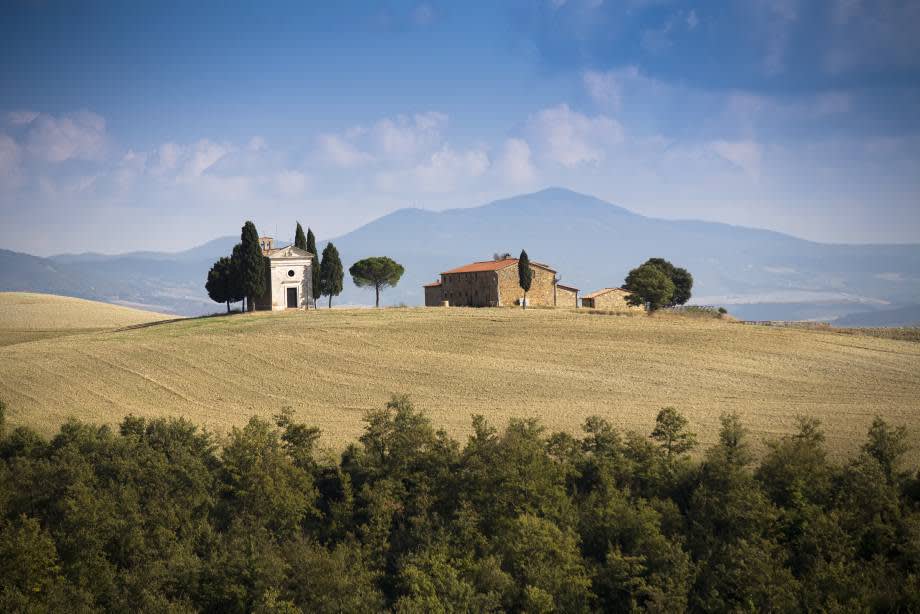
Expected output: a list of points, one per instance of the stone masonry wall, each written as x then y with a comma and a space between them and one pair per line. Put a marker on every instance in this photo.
566, 297
541, 287
614, 300
433, 296
477, 289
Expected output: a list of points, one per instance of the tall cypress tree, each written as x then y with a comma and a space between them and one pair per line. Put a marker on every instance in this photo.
236, 276
331, 272
525, 276
252, 264
300, 241
314, 267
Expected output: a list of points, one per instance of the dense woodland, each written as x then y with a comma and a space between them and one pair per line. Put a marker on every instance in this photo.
160, 516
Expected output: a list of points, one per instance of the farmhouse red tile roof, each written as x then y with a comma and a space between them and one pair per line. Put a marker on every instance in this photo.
567, 287
491, 265
604, 291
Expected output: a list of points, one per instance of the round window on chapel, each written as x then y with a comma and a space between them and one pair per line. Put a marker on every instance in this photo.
291, 273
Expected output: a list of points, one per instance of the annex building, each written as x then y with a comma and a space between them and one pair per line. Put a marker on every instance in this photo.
494, 283
612, 299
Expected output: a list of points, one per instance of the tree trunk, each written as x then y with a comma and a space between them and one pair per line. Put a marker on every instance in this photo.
330, 301
377, 288
524, 302
228, 305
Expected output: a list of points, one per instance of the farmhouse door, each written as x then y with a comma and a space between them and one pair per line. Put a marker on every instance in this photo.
292, 297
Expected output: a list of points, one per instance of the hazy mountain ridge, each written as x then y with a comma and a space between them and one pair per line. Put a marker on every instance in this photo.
590, 242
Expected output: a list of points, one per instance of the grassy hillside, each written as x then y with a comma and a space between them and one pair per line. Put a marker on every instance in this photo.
27, 316
562, 366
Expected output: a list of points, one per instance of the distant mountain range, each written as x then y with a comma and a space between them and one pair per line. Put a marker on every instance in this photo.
756, 274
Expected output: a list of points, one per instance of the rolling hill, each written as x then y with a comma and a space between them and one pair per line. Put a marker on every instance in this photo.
28, 316
558, 365
757, 274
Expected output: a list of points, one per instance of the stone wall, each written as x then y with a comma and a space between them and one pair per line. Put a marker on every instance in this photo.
566, 297
476, 289
541, 287
433, 296
612, 300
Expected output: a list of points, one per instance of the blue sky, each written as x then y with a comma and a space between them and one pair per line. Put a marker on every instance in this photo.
159, 126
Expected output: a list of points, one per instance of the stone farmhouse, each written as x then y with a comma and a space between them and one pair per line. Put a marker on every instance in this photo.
288, 277
612, 299
494, 283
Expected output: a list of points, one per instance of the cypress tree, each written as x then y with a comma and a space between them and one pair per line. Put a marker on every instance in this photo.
525, 276
236, 277
252, 265
314, 268
300, 241
331, 273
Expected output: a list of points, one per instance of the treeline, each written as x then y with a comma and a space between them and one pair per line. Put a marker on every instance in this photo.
242, 275
160, 516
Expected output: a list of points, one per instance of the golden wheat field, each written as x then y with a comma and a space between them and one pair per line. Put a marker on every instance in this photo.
26, 316
332, 366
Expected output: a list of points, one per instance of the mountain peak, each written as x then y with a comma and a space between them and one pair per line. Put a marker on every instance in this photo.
557, 198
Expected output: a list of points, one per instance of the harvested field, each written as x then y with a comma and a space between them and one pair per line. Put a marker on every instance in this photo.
560, 366
28, 316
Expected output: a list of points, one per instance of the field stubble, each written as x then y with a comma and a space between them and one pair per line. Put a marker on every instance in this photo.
560, 366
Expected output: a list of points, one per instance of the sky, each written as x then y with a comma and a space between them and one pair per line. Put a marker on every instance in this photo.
142, 125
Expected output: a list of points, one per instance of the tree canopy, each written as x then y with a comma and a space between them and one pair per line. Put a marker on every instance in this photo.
222, 283
525, 276
331, 273
251, 264
158, 515
649, 285
681, 278
377, 272
314, 268
300, 240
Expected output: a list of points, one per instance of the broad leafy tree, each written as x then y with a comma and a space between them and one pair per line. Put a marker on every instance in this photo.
378, 272
221, 282
331, 273
159, 516
648, 285
680, 277
525, 276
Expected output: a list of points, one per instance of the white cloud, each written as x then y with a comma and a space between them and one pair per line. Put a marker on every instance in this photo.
404, 136
340, 151
777, 17
515, 165
401, 139
9, 162
203, 156
603, 87
746, 155
257, 144
78, 135
571, 138
19, 118
443, 171
291, 183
